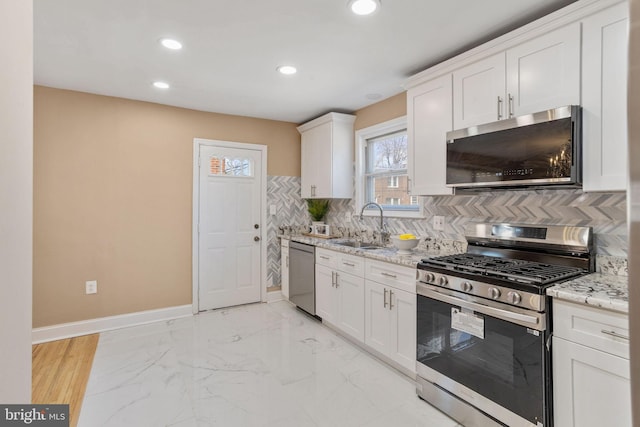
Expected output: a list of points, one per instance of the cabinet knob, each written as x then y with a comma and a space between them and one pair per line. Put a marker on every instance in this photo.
256, 239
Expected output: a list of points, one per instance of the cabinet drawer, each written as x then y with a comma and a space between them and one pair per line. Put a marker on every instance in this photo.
350, 264
391, 275
603, 330
326, 257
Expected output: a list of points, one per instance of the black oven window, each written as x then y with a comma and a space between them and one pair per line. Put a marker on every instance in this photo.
507, 366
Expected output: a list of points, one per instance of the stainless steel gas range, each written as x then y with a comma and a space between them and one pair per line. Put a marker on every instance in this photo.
483, 331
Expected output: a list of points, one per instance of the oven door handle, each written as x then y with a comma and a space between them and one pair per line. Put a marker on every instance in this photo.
522, 319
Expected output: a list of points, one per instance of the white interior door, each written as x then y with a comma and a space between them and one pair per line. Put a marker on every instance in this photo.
229, 248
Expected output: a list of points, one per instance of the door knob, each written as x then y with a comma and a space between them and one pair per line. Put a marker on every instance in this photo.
257, 239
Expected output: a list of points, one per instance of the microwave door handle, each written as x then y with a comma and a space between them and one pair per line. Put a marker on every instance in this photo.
480, 308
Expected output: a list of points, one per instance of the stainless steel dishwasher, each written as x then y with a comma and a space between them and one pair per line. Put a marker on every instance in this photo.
302, 280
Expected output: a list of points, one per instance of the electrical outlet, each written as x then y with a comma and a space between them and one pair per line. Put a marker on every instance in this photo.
91, 287
438, 223
272, 210
347, 216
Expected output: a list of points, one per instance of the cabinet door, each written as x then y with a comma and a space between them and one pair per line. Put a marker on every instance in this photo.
284, 271
377, 323
316, 162
544, 72
604, 99
326, 299
590, 388
403, 328
429, 118
350, 318
479, 92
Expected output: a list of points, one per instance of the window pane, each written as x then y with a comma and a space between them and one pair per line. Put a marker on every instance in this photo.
379, 191
227, 166
387, 153
386, 175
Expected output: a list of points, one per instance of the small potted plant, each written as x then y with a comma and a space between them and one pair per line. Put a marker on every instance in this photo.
318, 209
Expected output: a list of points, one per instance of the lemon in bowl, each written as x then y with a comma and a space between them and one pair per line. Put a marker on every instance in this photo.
405, 243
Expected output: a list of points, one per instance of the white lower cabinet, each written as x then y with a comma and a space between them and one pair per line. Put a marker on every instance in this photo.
591, 371
340, 291
390, 312
372, 301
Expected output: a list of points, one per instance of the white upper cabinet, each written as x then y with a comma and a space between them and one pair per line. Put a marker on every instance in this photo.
479, 92
429, 118
544, 72
327, 157
604, 99
536, 75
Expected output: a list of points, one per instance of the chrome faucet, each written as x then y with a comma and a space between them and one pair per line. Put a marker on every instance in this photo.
384, 233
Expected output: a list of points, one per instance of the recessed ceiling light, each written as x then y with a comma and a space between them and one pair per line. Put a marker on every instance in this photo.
171, 44
287, 69
161, 85
364, 7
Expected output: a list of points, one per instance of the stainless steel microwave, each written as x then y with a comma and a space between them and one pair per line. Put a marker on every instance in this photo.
540, 149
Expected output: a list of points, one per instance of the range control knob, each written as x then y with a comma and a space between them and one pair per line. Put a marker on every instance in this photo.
467, 286
429, 277
494, 293
514, 298
443, 281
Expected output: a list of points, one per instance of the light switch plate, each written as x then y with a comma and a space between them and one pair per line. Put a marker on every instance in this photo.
272, 210
91, 287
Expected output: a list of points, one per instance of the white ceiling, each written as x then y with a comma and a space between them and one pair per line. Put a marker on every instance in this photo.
232, 48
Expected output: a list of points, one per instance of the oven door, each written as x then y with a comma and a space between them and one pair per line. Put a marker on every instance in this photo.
494, 359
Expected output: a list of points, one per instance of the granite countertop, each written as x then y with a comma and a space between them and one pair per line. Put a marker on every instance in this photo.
597, 289
388, 254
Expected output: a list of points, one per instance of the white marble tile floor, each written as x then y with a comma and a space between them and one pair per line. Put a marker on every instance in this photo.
253, 365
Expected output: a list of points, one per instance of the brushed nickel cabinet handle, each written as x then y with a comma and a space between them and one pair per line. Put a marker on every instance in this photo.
324, 257
614, 334
499, 108
510, 105
337, 283
348, 263
393, 276
384, 305
390, 299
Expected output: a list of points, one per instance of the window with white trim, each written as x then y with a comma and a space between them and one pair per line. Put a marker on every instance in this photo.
381, 170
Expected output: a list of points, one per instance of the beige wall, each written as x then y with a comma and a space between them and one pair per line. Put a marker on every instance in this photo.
382, 111
16, 191
112, 199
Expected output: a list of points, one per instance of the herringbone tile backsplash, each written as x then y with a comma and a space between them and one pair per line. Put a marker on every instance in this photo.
605, 212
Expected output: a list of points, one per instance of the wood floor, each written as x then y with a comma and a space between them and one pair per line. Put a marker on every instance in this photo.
60, 371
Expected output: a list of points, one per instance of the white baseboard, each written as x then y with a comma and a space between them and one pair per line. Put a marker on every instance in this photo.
101, 324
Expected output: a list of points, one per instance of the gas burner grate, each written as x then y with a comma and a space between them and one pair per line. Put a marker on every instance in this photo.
508, 269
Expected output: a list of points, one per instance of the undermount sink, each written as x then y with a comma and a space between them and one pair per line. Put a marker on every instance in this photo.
357, 244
